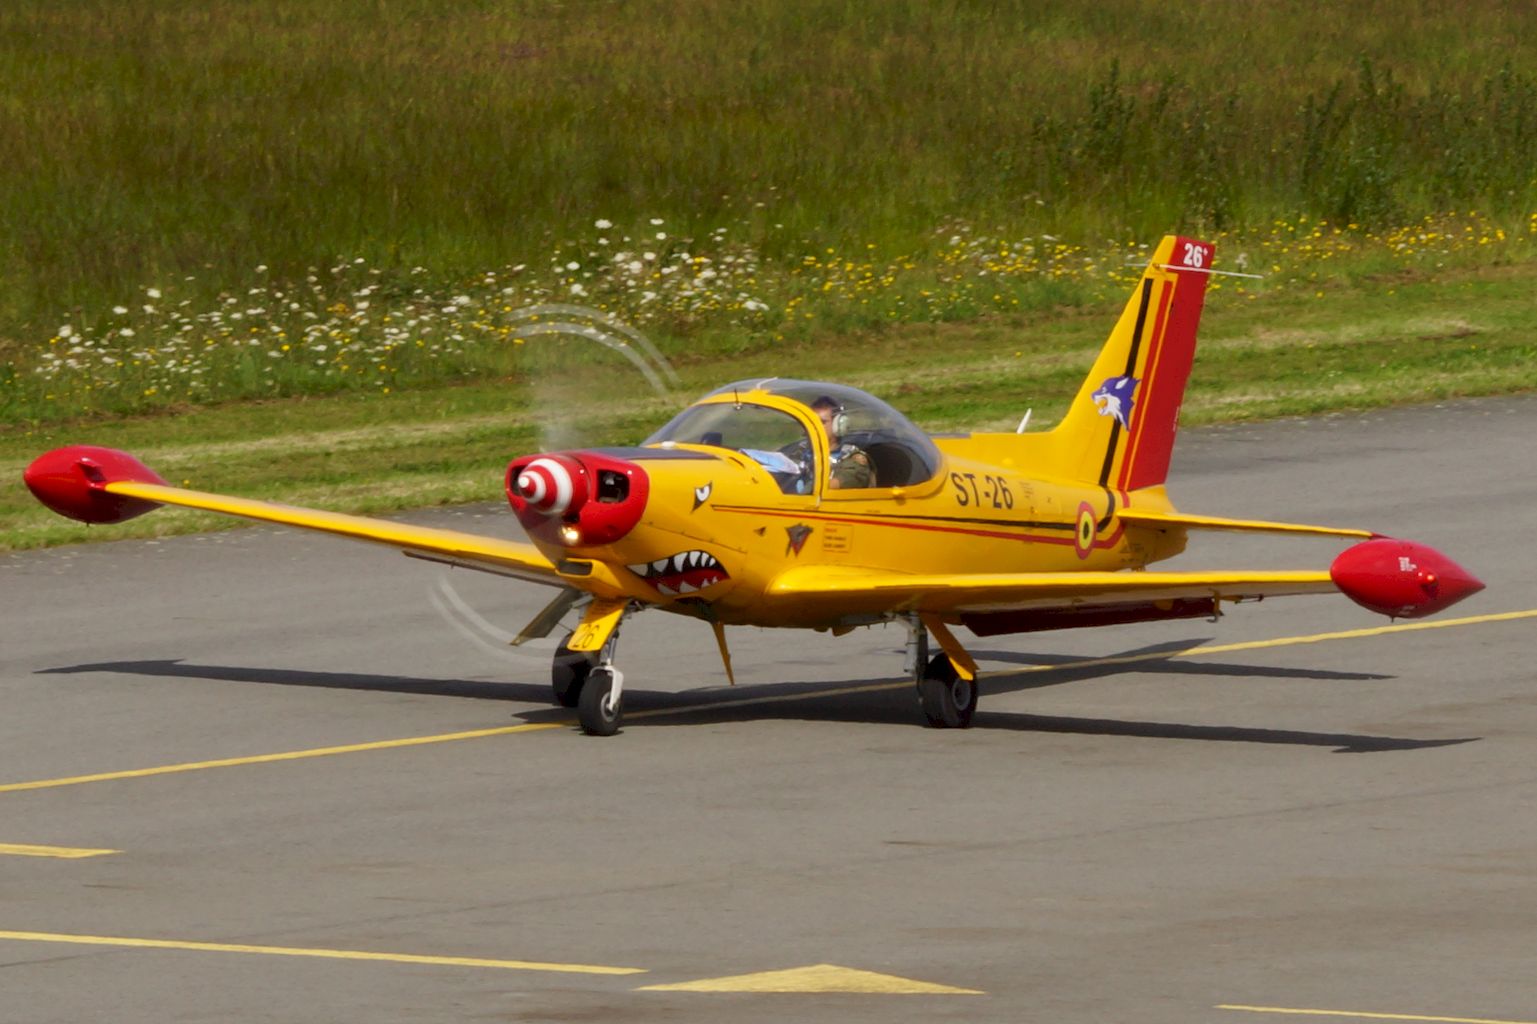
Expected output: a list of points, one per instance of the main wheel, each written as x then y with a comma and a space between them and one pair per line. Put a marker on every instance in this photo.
568, 673
599, 711
948, 700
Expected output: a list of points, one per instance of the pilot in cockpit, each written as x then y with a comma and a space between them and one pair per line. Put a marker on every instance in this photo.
851, 466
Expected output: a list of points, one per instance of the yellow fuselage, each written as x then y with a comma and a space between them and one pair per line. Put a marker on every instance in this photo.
983, 512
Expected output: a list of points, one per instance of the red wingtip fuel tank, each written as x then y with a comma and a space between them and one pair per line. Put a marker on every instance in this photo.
577, 497
1400, 578
71, 481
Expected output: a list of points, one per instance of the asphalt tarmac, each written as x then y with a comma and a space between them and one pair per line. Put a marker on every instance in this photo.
1290, 814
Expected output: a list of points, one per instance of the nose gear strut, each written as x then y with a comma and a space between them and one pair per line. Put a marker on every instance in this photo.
600, 705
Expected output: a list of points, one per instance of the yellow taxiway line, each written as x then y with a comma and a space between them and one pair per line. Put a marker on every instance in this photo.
62, 852
1362, 1015
290, 755
324, 954
474, 734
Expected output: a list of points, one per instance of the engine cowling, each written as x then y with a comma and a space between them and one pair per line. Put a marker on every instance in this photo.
1400, 578
577, 498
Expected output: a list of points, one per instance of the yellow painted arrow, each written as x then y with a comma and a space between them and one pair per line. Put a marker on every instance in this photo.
817, 978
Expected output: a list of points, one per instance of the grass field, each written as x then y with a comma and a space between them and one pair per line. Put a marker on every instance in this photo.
247, 235
153, 140
1380, 341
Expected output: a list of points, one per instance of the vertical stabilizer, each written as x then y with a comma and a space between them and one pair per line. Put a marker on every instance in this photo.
1119, 431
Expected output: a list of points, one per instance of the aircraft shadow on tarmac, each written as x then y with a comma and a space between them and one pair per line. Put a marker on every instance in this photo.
876, 700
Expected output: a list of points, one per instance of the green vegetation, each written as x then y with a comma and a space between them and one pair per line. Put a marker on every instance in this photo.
1378, 342
222, 219
149, 140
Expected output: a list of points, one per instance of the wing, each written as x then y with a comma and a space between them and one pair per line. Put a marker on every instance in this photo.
836, 591
100, 485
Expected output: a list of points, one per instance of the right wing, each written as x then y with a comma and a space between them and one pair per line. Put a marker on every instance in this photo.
101, 485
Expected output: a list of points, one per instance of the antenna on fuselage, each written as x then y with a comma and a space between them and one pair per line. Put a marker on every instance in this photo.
1024, 422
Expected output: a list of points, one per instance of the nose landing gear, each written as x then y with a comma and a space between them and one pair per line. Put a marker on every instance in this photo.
583, 675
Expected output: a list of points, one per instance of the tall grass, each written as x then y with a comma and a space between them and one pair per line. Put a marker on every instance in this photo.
151, 140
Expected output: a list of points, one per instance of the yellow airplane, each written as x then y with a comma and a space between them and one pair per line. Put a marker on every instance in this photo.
804, 504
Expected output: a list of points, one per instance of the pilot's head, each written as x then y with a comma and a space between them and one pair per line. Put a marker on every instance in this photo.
831, 414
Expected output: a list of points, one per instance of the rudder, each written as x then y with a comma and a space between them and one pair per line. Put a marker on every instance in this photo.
1119, 431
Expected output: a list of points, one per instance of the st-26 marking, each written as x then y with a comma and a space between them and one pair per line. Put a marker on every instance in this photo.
981, 490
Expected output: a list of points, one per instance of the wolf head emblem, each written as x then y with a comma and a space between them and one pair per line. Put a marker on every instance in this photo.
1115, 399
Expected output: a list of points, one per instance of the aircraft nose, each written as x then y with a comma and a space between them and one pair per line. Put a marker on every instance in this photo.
577, 498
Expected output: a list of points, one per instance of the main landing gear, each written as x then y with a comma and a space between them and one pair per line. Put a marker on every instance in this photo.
947, 695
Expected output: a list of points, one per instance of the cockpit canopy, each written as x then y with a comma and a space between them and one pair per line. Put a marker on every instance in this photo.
901, 454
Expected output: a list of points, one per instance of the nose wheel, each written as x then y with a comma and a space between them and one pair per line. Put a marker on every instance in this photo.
600, 709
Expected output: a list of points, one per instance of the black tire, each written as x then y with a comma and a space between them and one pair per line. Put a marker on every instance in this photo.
599, 716
568, 673
948, 700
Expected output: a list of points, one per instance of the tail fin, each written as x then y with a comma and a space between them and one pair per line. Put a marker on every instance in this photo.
1119, 431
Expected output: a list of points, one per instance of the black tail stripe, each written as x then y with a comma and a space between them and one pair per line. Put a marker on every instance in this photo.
1131, 364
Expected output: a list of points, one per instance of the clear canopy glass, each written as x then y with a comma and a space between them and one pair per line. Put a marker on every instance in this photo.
901, 454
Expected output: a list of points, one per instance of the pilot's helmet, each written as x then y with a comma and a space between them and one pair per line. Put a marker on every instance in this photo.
838, 421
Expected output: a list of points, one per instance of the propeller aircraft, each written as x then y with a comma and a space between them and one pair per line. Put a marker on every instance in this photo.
738, 513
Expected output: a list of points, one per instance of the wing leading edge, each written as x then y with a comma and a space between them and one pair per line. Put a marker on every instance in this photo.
510, 558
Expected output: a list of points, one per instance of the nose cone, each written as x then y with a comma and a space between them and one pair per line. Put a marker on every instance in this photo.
1401, 579
551, 485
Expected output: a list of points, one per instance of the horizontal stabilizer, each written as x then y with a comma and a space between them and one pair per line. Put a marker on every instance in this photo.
1143, 517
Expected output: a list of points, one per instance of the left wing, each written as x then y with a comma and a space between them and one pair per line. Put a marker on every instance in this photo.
836, 589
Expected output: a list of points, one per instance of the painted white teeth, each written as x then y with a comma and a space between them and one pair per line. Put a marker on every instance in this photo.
685, 587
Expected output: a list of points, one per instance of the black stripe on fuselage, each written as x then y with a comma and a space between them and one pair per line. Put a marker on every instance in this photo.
1131, 364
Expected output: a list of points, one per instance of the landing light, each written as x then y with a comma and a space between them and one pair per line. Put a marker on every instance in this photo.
570, 535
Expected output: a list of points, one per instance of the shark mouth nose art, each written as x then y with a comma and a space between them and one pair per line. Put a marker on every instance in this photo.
683, 573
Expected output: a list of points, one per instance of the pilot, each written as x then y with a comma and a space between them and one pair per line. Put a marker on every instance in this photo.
851, 466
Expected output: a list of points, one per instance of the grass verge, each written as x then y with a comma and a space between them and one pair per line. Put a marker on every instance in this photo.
1363, 342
